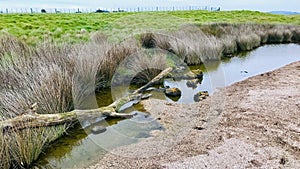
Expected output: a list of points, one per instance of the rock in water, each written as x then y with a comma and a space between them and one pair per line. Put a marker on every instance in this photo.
192, 83
98, 129
200, 96
173, 92
198, 73
193, 74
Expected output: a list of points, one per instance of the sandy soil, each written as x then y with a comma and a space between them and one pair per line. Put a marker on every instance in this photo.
254, 123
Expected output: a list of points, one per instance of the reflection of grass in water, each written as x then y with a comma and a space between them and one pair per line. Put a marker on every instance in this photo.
208, 66
243, 54
104, 97
63, 148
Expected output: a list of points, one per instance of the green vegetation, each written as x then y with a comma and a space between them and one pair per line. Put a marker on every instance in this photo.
71, 28
47, 61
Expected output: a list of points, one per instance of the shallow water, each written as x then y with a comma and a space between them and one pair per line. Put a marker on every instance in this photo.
79, 149
223, 73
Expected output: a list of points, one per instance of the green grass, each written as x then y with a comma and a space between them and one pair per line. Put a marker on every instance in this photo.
78, 27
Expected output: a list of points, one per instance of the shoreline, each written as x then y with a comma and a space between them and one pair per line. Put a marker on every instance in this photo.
252, 123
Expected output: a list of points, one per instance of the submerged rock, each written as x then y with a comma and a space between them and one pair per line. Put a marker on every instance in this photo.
146, 96
173, 92
154, 89
192, 83
150, 89
98, 129
200, 96
180, 69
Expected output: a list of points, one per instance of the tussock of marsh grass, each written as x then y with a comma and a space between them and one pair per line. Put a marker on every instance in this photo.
11, 46
20, 149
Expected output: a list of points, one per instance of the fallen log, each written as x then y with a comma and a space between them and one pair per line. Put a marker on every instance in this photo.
32, 120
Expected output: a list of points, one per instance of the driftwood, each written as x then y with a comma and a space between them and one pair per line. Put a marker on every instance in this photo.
32, 120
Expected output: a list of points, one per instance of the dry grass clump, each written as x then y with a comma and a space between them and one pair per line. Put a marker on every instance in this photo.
142, 66
148, 40
146, 64
199, 43
275, 36
189, 44
20, 149
248, 42
116, 54
229, 45
41, 76
199, 47
296, 34
11, 46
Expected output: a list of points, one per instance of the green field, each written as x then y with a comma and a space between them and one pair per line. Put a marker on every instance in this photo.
78, 27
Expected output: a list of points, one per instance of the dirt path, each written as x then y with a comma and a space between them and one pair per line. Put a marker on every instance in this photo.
254, 123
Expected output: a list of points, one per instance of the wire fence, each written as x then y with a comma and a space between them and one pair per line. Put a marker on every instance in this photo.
103, 10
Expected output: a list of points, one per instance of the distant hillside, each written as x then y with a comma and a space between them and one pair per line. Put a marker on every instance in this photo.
284, 12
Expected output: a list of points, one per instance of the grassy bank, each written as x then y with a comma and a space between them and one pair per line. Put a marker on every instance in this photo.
59, 74
78, 27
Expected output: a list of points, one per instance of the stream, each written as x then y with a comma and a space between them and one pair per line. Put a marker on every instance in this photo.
80, 149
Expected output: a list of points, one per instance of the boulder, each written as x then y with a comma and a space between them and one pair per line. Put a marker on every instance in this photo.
173, 92
193, 74
198, 73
